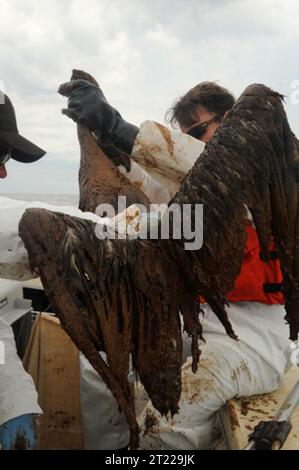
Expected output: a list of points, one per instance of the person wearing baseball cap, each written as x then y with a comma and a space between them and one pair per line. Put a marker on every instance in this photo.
18, 396
12, 144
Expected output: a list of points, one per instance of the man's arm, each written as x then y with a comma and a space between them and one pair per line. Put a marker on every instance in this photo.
150, 144
160, 160
165, 156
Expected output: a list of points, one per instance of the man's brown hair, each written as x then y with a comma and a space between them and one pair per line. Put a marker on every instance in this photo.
209, 95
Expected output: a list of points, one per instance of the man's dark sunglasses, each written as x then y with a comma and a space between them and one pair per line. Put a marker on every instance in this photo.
200, 129
4, 153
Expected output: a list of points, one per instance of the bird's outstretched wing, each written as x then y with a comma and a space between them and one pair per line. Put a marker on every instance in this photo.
252, 162
125, 297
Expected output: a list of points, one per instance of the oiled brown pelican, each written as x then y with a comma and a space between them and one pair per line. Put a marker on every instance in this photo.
125, 296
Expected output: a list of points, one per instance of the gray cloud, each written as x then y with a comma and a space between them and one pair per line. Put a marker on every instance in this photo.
144, 53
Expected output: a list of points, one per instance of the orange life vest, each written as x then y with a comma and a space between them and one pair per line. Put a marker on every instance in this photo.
258, 281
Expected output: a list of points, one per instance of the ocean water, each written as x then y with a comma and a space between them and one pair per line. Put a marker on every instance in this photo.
55, 199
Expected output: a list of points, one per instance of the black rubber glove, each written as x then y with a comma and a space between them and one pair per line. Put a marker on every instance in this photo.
87, 105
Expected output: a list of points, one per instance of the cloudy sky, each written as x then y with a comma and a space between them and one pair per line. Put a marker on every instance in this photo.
144, 53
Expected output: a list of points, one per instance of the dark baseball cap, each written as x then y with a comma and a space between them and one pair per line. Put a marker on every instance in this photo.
22, 149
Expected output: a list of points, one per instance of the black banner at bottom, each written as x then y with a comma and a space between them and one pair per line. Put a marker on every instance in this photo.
151, 459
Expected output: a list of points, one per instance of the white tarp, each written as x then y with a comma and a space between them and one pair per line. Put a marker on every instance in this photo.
13, 256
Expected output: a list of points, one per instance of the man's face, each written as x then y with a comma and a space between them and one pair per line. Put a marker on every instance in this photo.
202, 116
4, 157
